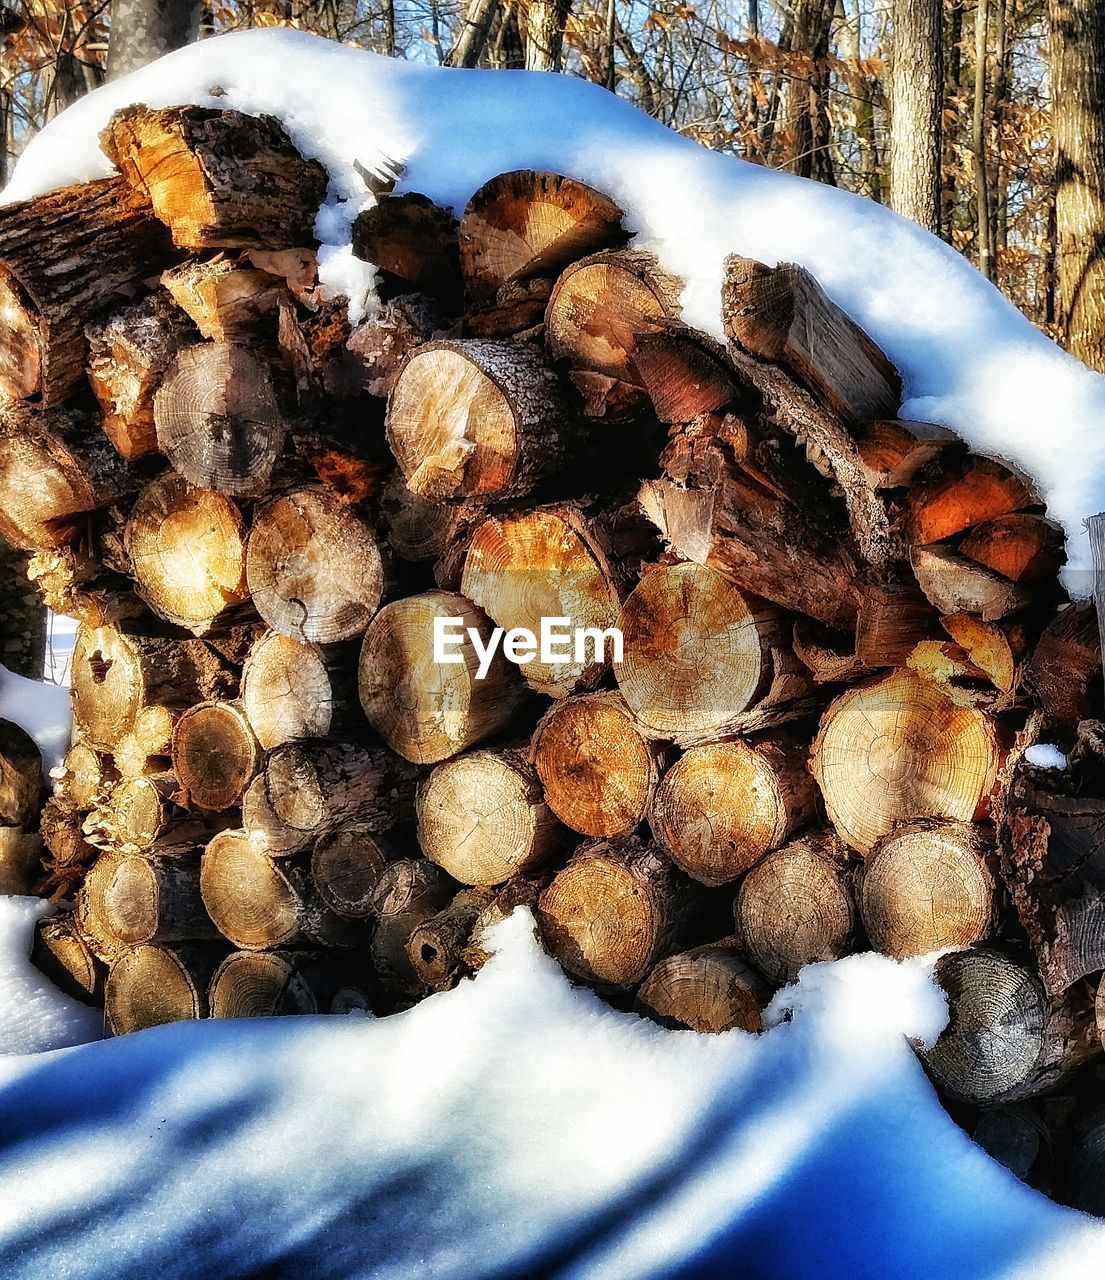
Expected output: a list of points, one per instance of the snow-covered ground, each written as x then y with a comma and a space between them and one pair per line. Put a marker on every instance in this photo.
517, 1126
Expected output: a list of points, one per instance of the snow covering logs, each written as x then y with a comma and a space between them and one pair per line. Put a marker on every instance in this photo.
843, 633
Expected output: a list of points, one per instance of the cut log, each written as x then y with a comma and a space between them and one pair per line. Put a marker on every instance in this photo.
892, 451
89, 908
1022, 548
548, 563
898, 749
55, 466
145, 811
259, 904
782, 314
215, 755
993, 649
272, 984
187, 548
614, 910
483, 817
948, 498
530, 223
88, 775
478, 418
156, 898
723, 805
149, 986
147, 747
684, 377
419, 529
698, 655
227, 301
1064, 664
291, 689
217, 419
708, 989
114, 676
928, 886
955, 584
379, 346
795, 907
65, 258
62, 828
410, 892
1006, 1040
63, 956
414, 241
598, 769
602, 304
75, 585
347, 865
427, 711
218, 179
307, 789
436, 947
313, 567
1017, 1137
128, 355
893, 619
21, 781
21, 862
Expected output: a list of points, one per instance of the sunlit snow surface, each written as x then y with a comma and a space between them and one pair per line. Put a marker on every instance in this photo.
969, 358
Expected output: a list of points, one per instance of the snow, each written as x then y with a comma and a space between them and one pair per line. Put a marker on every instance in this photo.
42, 709
1045, 755
517, 1126
969, 359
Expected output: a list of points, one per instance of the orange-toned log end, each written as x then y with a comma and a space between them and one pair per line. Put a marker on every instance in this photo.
950, 498
1023, 548
215, 755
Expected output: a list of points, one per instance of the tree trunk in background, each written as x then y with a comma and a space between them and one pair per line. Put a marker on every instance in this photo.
545, 34
984, 241
807, 119
142, 30
953, 62
22, 617
1078, 91
916, 104
473, 35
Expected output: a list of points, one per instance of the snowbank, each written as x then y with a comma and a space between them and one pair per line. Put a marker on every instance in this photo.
514, 1127
969, 359
42, 709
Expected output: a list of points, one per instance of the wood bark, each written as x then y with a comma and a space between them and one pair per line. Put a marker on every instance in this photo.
75, 584
411, 891
22, 616
21, 781
155, 898
436, 947
143, 30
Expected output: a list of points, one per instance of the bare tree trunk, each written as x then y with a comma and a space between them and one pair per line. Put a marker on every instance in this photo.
978, 144
473, 35
916, 104
610, 76
389, 27
142, 30
1078, 91
954, 79
806, 113
545, 34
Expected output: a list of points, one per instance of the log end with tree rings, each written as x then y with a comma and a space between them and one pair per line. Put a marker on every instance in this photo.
997, 1029
346, 866
151, 985
287, 691
898, 749
542, 564
21, 780
106, 684
609, 914
598, 770
794, 908
926, 887
187, 549
215, 755
131, 906
313, 567
723, 805
709, 989
247, 895
140, 810
694, 655
217, 419
424, 710
253, 984
482, 817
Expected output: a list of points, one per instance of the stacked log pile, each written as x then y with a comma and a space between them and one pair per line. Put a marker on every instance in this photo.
841, 630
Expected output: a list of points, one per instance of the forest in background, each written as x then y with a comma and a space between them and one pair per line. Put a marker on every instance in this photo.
983, 120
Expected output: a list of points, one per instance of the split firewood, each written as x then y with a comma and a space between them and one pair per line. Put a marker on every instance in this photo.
530, 223
955, 584
1006, 1039
517, 310
829, 656
414, 243
598, 769
129, 354
410, 892
948, 498
227, 301
65, 258
217, 418
613, 911
482, 817
381, 344
795, 907
427, 711
894, 617
898, 749
313, 567
1064, 664
1022, 548
928, 886
709, 989
480, 419
723, 805
993, 648
55, 467
187, 547
258, 903
21, 780
436, 947
292, 689
61, 953
347, 865
892, 451
270, 984
215, 755
218, 179
151, 985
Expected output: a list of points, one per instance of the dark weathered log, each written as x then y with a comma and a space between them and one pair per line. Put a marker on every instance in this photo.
215, 755
61, 953
65, 258
347, 865
218, 179
413, 241
21, 781
483, 817
313, 567
1064, 663
437, 946
380, 345
151, 985
227, 301
795, 907
708, 989
411, 891
480, 419
21, 862
22, 615
1017, 1136
419, 529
